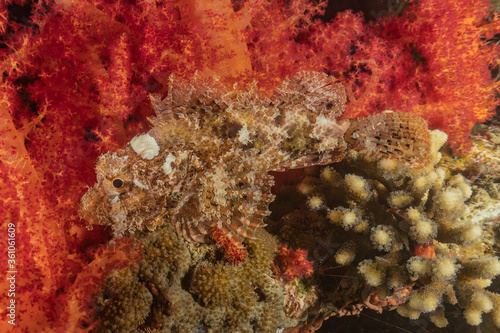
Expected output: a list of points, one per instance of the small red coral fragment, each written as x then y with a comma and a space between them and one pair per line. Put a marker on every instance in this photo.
294, 264
234, 253
425, 250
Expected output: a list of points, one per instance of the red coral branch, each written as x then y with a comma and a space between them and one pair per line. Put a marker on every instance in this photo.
294, 264
234, 253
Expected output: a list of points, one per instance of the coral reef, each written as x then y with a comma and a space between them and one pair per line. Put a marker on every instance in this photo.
381, 236
77, 77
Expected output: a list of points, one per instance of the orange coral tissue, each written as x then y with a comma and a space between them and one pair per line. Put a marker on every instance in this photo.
294, 264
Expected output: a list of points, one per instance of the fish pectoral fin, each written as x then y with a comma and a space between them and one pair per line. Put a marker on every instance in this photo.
233, 198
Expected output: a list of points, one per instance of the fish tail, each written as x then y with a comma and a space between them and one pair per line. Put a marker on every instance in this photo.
401, 136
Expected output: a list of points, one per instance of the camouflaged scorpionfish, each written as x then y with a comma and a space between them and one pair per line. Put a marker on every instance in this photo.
204, 164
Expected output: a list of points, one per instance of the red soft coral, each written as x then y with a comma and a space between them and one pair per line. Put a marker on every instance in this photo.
234, 253
450, 77
433, 60
293, 263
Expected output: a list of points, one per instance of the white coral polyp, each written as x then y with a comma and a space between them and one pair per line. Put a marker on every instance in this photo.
450, 199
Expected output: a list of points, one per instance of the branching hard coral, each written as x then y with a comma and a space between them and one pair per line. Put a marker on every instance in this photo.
419, 241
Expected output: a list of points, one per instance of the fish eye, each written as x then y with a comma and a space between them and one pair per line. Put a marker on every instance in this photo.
117, 183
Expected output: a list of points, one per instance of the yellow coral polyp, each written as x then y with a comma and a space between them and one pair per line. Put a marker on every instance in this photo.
388, 165
420, 184
346, 254
382, 238
425, 300
473, 317
348, 219
444, 268
329, 175
423, 230
373, 274
305, 188
358, 187
413, 214
400, 199
480, 301
334, 216
419, 266
315, 202
362, 227
450, 199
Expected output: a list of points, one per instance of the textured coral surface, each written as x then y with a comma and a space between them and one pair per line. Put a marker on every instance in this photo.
77, 77
389, 237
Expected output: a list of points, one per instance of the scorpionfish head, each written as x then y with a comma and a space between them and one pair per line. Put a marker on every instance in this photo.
131, 192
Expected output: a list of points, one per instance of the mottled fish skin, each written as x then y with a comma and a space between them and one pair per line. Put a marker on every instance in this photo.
204, 164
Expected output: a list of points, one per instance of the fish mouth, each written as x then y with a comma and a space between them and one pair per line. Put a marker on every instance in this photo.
91, 210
